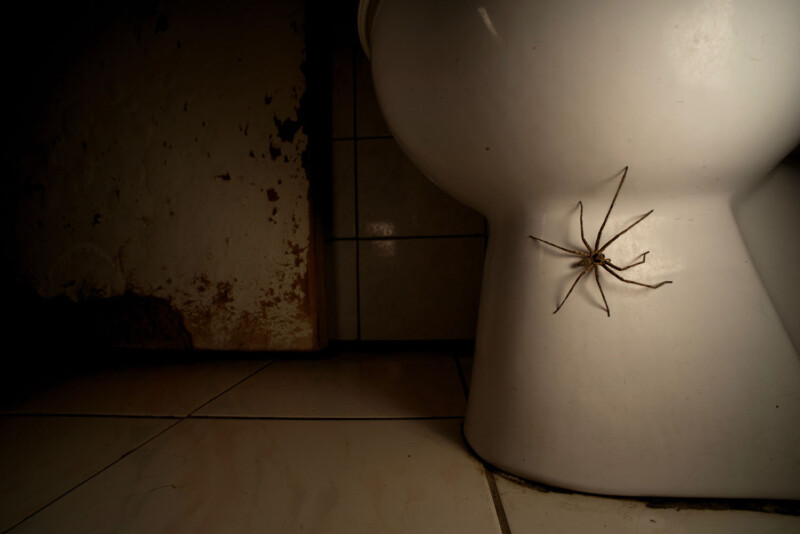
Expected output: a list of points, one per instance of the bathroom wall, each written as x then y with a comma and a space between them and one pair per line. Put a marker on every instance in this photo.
403, 259
158, 187
162, 192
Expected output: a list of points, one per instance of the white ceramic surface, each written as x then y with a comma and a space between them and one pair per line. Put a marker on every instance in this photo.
522, 108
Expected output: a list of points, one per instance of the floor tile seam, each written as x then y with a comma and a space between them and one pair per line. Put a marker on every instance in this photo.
324, 418
96, 473
91, 415
407, 237
497, 501
230, 388
361, 137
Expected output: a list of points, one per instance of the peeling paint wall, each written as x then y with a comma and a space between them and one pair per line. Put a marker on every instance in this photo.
165, 157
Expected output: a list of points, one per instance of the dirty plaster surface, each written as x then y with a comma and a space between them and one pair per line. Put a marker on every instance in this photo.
164, 158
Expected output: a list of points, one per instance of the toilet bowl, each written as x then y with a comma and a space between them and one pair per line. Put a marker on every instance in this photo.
521, 109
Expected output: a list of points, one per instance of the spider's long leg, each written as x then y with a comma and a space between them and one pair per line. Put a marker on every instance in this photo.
571, 288
580, 204
653, 286
597, 242
643, 255
576, 252
637, 221
597, 277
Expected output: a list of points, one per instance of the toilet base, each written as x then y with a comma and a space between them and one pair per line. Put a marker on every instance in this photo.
690, 390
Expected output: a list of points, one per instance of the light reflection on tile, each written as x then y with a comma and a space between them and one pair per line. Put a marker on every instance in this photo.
530, 510
394, 194
386, 385
174, 389
43, 457
286, 476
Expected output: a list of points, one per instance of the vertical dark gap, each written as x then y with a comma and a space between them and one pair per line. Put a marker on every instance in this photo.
354, 59
502, 519
461, 376
317, 159
497, 500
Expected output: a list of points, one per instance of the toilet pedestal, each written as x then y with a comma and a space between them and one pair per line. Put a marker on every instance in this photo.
688, 390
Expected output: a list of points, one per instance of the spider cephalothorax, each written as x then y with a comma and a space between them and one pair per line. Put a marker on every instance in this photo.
594, 258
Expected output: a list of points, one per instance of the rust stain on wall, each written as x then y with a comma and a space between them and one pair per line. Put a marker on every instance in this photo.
116, 199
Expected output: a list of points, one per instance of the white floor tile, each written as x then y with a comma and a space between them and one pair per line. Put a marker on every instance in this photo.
43, 457
148, 390
286, 476
531, 510
386, 385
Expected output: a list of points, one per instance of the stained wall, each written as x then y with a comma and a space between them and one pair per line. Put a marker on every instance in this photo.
160, 159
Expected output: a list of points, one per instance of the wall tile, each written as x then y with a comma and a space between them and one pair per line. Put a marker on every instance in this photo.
343, 191
420, 288
341, 290
416, 291
395, 198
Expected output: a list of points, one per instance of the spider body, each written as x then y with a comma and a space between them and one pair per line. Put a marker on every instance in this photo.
593, 259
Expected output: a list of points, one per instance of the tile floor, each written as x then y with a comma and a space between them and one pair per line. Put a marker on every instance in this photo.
358, 442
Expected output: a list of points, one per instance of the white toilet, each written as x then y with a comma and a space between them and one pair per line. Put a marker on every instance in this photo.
522, 108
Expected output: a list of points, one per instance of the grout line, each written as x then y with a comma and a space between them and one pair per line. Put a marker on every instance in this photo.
497, 500
91, 415
331, 418
355, 191
395, 237
362, 138
502, 519
248, 417
215, 397
79, 484
177, 420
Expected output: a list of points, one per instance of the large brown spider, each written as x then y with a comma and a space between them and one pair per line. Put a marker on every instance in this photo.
594, 257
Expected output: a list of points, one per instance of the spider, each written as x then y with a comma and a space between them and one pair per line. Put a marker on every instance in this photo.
594, 257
